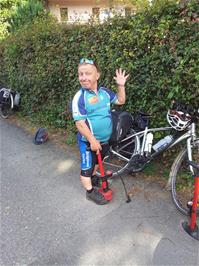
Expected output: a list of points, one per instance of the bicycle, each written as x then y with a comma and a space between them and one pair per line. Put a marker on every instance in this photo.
8, 101
138, 148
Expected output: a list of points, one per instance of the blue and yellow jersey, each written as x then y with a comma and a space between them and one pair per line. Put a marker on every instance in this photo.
95, 110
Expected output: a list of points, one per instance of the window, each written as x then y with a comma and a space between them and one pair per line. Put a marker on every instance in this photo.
128, 11
64, 14
96, 12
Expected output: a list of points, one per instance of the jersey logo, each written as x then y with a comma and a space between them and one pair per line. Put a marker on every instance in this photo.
93, 100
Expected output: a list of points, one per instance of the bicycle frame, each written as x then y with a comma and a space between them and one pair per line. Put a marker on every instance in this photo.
189, 135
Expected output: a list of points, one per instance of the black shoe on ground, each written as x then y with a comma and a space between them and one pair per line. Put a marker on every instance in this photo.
95, 180
96, 197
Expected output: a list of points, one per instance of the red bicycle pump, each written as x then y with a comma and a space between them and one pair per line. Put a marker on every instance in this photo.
191, 228
104, 190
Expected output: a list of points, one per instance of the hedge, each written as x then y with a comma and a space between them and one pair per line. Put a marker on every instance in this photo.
159, 48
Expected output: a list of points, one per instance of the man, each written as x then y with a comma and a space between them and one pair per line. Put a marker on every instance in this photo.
92, 115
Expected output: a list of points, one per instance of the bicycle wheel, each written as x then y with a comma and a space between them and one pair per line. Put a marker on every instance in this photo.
5, 110
6, 106
182, 180
119, 155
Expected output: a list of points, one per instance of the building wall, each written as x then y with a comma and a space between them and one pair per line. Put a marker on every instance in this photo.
75, 13
82, 10
79, 2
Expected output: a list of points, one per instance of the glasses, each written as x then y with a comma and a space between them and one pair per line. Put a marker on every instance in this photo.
87, 61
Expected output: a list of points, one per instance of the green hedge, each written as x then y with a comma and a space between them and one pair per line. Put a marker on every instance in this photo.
159, 48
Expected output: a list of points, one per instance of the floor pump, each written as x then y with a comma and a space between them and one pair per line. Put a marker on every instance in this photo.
191, 227
104, 190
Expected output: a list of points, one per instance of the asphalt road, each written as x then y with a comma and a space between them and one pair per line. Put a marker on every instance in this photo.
46, 219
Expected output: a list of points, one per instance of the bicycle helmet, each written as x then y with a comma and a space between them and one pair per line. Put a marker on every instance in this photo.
41, 136
178, 119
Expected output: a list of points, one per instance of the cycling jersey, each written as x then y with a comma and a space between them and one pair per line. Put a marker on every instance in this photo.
95, 110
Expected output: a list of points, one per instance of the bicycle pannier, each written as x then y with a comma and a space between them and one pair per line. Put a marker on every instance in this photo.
122, 121
4, 96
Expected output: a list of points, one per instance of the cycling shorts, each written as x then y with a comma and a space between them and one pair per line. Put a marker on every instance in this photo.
89, 158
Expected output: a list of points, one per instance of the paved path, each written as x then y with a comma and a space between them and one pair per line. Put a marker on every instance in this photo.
46, 220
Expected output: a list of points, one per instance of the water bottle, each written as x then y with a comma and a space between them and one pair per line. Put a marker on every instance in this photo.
161, 144
148, 143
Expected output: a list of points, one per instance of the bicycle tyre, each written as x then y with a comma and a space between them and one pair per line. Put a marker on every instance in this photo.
6, 107
5, 111
182, 180
114, 160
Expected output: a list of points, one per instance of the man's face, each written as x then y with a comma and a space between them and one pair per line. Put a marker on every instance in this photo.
88, 76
